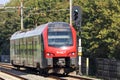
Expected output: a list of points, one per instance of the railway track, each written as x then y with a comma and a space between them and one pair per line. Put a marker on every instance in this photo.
9, 69
5, 73
11, 76
68, 77
1, 78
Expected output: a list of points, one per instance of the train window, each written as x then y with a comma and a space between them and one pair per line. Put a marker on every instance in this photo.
12, 49
17, 46
25, 48
30, 46
35, 45
21, 47
59, 35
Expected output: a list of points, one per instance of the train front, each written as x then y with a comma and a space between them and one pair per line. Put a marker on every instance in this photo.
60, 46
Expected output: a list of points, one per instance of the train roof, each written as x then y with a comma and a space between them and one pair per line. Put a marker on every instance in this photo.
34, 32
37, 31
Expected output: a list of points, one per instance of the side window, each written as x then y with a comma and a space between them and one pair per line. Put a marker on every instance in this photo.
24, 46
29, 46
17, 46
35, 45
20, 50
12, 50
21, 47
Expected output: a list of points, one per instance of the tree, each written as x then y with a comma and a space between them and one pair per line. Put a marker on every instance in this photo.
100, 28
9, 24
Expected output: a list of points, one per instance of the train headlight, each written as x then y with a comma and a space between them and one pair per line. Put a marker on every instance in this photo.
49, 54
71, 54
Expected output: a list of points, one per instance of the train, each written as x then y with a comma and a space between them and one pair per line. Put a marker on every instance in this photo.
48, 46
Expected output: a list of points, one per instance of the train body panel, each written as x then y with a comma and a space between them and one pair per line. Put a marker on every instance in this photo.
51, 45
27, 47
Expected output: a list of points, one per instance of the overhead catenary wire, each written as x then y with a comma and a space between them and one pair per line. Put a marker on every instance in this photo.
39, 12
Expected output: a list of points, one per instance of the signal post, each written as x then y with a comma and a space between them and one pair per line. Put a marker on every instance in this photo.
21, 15
77, 18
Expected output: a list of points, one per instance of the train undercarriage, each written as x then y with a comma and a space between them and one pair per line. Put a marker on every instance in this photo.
62, 65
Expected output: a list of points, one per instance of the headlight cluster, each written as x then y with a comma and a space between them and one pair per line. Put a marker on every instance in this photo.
71, 54
50, 54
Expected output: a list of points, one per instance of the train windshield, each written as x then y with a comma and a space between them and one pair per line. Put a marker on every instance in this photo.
59, 35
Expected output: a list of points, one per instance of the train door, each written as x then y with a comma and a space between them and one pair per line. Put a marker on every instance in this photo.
22, 51
17, 52
38, 50
30, 58
26, 52
42, 56
35, 55
42, 45
12, 50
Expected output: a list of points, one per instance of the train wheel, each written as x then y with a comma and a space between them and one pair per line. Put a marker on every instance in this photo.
42, 72
17, 67
65, 74
45, 72
39, 71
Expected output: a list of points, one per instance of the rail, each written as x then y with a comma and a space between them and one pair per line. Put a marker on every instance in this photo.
4, 68
14, 75
47, 76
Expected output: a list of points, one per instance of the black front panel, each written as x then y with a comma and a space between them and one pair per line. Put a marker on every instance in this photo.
61, 62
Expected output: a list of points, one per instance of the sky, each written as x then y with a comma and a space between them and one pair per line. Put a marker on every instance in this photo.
3, 1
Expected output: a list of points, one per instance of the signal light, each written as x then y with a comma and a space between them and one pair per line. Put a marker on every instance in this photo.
76, 15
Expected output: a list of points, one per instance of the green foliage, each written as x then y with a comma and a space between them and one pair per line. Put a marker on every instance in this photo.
100, 22
9, 23
100, 28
